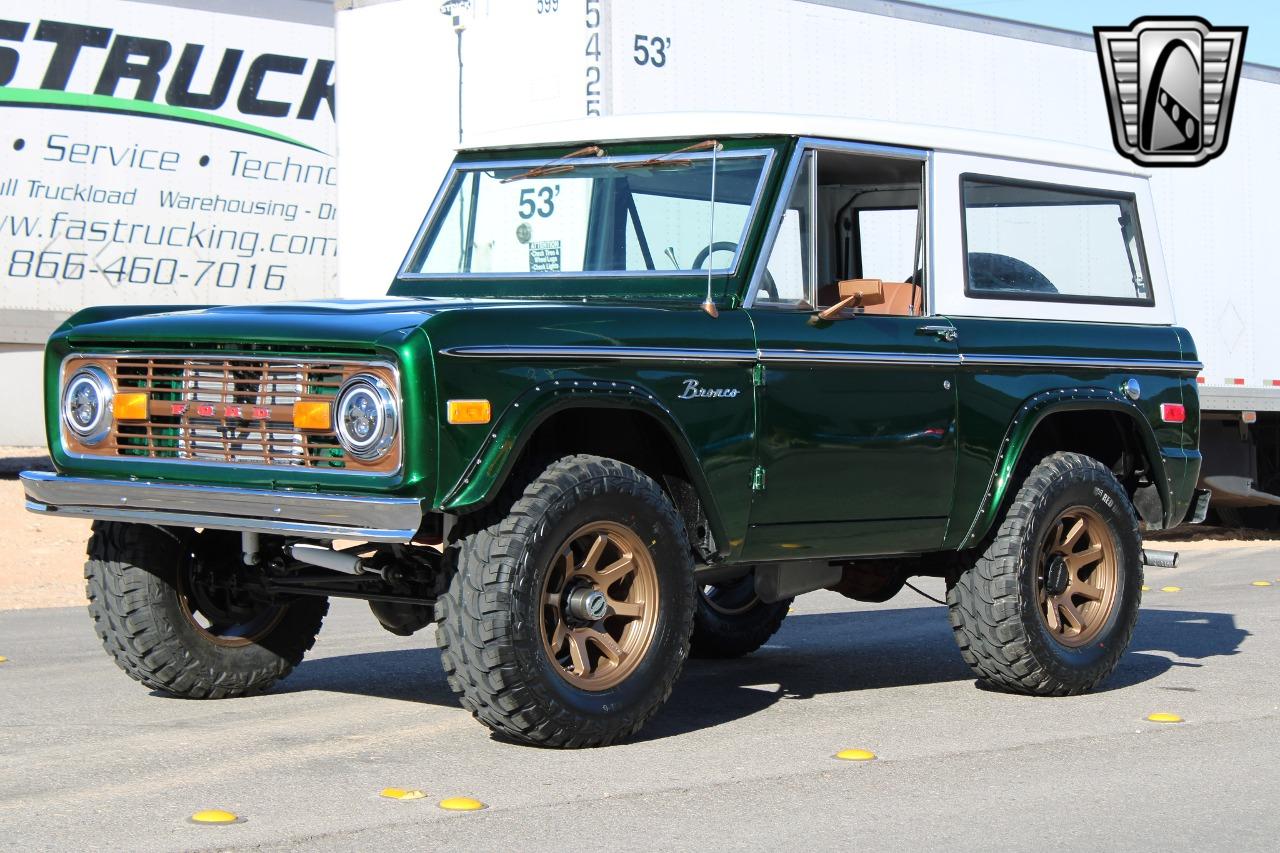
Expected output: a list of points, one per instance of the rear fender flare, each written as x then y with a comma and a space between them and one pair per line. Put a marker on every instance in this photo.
1018, 435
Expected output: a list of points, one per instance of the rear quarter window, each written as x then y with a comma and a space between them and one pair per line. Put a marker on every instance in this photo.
1053, 243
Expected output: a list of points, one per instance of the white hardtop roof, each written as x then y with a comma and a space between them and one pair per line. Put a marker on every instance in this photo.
640, 126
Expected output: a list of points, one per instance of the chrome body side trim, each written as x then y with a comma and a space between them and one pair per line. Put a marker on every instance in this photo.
868, 358
596, 353
1074, 363
1019, 362
281, 512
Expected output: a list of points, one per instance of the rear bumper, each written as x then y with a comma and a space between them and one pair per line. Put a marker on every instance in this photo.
282, 512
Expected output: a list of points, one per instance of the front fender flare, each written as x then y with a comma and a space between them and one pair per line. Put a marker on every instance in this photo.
1029, 416
492, 464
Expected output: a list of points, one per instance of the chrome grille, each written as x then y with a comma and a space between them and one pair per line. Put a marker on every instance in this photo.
228, 410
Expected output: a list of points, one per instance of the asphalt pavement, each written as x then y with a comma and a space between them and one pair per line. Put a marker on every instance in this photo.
741, 758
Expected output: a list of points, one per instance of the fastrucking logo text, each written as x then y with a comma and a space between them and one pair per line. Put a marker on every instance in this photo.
160, 75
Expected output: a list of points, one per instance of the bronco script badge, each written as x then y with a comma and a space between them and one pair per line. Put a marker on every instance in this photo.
1170, 85
694, 391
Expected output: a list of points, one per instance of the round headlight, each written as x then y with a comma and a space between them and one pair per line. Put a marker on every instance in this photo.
86, 404
365, 417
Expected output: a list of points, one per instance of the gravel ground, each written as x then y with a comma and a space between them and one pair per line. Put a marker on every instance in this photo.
42, 558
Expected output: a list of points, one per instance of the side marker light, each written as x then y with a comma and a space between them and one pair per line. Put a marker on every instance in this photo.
470, 411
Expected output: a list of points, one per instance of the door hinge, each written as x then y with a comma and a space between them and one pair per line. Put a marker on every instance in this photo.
757, 375
757, 479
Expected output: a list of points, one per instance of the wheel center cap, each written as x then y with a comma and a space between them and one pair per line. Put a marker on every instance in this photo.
1057, 576
587, 604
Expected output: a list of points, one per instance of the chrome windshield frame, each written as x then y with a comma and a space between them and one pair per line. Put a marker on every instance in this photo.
456, 168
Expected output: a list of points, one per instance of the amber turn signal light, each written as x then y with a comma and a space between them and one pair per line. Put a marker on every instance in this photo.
309, 414
469, 411
130, 407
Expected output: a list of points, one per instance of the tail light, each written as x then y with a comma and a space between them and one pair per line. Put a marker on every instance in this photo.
1173, 413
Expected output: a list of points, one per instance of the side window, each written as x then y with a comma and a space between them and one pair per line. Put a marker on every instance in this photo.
1034, 241
786, 279
887, 239
849, 235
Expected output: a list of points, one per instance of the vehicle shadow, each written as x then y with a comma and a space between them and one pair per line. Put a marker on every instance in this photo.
848, 653
814, 654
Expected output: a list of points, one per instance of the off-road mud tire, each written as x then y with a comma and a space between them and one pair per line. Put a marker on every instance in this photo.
488, 621
718, 635
131, 576
993, 612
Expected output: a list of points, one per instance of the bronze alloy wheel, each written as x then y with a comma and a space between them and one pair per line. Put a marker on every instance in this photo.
1078, 575
733, 598
599, 606
219, 614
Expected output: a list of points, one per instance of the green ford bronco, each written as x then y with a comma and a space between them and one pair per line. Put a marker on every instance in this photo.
638, 383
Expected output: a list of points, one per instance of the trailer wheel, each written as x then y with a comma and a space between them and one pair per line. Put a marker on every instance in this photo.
567, 621
167, 609
1049, 607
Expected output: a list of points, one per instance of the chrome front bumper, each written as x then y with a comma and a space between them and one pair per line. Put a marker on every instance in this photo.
281, 512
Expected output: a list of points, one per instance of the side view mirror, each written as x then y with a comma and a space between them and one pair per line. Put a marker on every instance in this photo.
833, 311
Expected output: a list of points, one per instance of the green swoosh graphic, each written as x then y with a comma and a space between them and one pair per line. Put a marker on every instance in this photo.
59, 100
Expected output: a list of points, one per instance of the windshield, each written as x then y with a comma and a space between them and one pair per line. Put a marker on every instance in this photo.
594, 215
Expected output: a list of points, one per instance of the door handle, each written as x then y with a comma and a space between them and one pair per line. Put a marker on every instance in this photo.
945, 333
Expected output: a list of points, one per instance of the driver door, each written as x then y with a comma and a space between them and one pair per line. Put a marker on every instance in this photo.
856, 408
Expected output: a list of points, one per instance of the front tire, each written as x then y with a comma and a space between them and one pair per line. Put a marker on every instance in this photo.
567, 622
165, 617
1049, 607
732, 621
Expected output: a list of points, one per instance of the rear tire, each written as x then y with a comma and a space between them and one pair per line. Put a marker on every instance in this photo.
732, 621
149, 607
1050, 606
529, 662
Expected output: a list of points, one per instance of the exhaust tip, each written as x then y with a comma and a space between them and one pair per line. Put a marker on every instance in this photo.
1160, 559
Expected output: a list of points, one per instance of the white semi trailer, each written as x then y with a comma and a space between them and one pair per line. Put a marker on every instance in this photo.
176, 152
411, 72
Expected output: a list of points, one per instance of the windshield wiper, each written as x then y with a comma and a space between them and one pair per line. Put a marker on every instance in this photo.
557, 166
661, 159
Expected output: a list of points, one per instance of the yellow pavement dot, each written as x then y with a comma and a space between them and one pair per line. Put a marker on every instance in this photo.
402, 793
1255, 583
3, 659
461, 804
1171, 589
855, 755
1146, 589
1164, 717
214, 816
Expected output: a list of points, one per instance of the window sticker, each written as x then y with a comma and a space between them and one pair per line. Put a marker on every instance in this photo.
544, 256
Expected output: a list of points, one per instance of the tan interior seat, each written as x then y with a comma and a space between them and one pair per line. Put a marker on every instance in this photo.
894, 298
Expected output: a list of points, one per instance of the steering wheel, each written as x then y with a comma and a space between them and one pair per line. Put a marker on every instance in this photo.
766, 282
